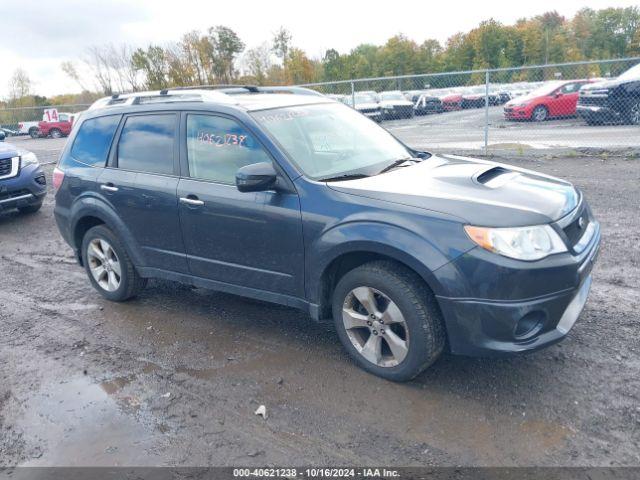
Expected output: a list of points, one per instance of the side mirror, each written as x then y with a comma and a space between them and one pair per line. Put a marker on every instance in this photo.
558, 94
256, 177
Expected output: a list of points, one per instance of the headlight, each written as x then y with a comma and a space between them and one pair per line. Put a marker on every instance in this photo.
521, 243
28, 158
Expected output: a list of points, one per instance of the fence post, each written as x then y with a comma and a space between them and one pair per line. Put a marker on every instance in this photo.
353, 95
486, 114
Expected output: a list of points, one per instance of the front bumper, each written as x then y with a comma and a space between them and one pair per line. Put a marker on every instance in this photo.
27, 188
516, 113
592, 113
493, 326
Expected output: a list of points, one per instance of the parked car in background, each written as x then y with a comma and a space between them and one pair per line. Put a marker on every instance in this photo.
8, 132
27, 128
451, 101
366, 104
426, 104
301, 201
22, 182
616, 100
395, 105
554, 99
58, 129
2, 136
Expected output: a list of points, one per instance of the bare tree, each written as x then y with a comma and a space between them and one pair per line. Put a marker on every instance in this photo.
281, 43
69, 68
98, 62
19, 85
257, 61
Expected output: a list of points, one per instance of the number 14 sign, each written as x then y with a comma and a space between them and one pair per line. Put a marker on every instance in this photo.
50, 115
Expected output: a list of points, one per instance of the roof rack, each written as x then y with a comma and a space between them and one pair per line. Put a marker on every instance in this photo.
200, 93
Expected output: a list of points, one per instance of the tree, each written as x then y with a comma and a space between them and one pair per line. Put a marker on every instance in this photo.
281, 43
19, 87
70, 70
258, 62
153, 65
226, 46
298, 67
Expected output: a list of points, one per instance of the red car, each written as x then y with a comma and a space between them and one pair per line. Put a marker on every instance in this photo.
61, 128
452, 102
554, 99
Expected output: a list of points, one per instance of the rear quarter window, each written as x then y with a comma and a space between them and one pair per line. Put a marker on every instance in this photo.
92, 143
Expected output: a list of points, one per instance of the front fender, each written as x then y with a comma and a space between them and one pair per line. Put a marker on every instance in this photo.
401, 244
92, 206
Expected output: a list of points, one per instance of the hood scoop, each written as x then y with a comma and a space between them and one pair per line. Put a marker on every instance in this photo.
496, 177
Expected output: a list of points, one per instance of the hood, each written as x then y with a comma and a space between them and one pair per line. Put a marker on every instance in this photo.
479, 192
522, 99
367, 106
605, 84
7, 150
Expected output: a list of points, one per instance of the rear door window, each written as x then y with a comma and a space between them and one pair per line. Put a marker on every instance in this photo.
147, 144
217, 147
92, 143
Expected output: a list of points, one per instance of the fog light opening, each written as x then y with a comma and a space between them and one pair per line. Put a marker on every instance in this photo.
529, 325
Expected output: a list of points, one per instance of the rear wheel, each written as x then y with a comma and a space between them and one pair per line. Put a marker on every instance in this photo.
108, 266
388, 320
34, 132
633, 117
540, 114
55, 133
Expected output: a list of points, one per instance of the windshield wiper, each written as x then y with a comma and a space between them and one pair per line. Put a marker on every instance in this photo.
346, 176
397, 163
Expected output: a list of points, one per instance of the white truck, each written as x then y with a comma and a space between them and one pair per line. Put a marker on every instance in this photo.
28, 128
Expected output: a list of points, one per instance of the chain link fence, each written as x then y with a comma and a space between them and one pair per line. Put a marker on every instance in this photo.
525, 108
533, 108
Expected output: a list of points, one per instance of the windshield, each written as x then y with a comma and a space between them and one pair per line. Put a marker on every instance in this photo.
392, 96
331, 140
364, 98
633, 72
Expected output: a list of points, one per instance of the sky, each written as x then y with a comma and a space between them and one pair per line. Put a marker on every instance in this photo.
39, 36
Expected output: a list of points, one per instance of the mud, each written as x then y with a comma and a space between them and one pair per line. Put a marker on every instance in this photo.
175, 376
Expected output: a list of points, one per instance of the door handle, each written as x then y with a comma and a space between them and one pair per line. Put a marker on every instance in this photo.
109, 187
192, 200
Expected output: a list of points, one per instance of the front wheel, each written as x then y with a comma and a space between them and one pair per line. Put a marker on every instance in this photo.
540, 114
388, 320
108, 266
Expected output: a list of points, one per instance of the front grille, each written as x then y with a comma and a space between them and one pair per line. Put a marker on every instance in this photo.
5, 166
17, 193
508, 110
592, 101
574, 231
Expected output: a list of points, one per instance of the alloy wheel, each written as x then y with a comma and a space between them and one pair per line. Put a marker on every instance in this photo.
375, 326
104, 264
634, 114
540, 114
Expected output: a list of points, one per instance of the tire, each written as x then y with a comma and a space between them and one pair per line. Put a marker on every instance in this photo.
55, 133
129, 283
419, 339
540, 114
633, 117
30, 209
34, 132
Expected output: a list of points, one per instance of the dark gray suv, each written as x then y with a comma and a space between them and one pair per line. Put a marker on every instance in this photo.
300, 200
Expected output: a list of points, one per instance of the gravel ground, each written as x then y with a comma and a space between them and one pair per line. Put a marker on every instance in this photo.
174, 377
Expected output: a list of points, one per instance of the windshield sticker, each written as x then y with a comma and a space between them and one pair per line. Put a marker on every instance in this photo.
222, 140
282, 116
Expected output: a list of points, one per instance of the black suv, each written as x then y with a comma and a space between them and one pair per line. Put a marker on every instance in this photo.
301, 200
616, 100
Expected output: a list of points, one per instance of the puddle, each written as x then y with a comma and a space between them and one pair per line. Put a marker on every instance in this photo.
79, 423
